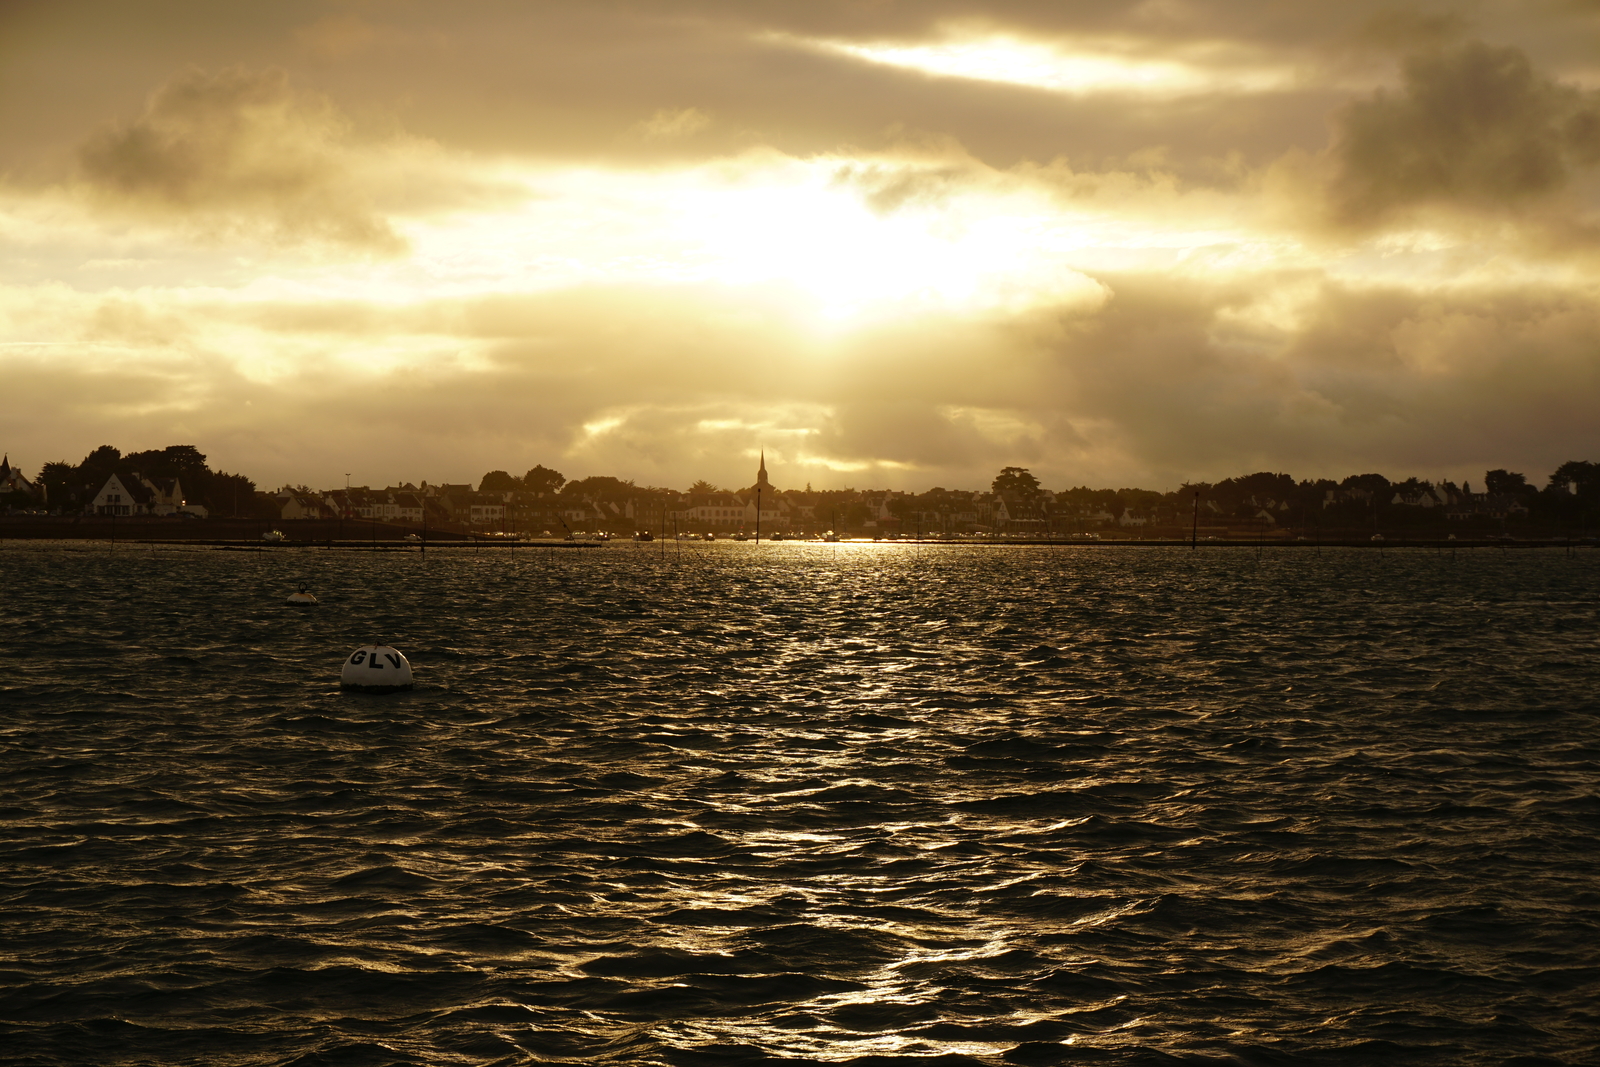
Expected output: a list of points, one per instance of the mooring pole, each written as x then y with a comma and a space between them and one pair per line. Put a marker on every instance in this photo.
1194, 531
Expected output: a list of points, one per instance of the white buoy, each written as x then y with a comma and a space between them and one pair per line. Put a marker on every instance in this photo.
302, 597
376, 669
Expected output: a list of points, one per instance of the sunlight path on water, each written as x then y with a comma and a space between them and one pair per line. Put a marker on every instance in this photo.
795, 803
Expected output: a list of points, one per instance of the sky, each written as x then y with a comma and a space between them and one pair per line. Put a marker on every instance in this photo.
892, 243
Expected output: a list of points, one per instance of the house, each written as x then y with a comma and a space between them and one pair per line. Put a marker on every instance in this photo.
482, 509
455, 501
1424, 497
713, 510
1017, 514
357, 502
12, 480
487, 509
1346, 496
294, 504
122, 496
166, 495
134, 494
407, 506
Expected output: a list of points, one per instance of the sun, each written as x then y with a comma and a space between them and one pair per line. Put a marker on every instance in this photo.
802, 228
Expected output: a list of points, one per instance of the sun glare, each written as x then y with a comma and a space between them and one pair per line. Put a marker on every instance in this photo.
1042, 66
780, 223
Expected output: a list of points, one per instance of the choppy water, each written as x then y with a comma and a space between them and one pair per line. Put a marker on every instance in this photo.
801, 803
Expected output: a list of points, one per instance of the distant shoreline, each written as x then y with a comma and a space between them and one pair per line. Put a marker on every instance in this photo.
458, 542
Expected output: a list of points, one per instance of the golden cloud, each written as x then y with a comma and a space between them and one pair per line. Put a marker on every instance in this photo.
242, 150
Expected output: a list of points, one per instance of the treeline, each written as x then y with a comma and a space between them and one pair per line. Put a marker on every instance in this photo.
1570, 491
72, 486
1574, 485
1569, 498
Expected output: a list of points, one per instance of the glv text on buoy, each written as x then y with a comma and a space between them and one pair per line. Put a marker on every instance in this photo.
376, 669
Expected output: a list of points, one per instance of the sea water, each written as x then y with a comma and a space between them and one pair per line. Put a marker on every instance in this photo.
801, 803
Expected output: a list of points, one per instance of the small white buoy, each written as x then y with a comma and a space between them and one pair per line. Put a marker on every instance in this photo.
376, 669
302, 597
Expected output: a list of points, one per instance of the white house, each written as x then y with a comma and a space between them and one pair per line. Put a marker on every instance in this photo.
293, 504
1425, 497
138, 495
486, 509
122, 497
716, 509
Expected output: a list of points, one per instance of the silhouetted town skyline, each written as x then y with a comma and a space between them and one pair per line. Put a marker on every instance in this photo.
177, 482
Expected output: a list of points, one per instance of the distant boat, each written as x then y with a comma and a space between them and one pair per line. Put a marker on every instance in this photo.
413, 538
741, 536
644, 535
274, 536
831, 537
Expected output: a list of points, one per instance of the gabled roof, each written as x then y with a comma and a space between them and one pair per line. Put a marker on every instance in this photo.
131, 486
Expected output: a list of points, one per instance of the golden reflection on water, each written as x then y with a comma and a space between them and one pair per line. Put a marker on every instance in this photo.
894, 802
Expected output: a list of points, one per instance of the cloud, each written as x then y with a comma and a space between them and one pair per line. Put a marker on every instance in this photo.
887, 188
243, 151
1196, 378
1473, 127
891, 277
1171, 379
1407, 30
674, 122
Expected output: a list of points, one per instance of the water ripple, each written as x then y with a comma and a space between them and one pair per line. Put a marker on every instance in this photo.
801, 804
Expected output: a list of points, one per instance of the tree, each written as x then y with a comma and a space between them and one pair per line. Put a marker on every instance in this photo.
1261, 487
184, 462
1581, 476
99, 465
543, 480
703, 488
1376, 484
60, 481
498, 482
232, 494
1016, 480
1504, 481
599, 487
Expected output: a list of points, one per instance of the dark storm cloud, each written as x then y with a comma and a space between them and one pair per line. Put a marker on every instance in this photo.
1474, 126
243, 148
1376, 376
